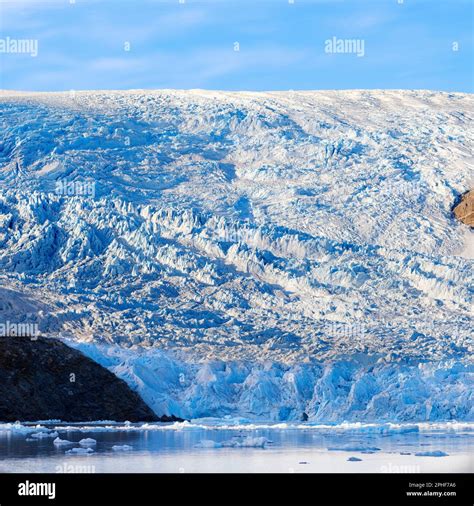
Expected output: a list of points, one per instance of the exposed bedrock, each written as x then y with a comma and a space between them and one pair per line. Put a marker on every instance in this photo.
44, 379
464, 208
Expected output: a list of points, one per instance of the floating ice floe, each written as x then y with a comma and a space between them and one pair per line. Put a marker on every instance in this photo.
435, 453
122, 448
208, 443
20, 428
352, 448
246, 442
79, 451
88, 442
44, 435
388, 429
62, 442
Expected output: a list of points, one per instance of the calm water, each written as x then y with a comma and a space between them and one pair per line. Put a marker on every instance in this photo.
159, 449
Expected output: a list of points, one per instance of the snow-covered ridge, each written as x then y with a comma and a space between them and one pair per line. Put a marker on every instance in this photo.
296, 228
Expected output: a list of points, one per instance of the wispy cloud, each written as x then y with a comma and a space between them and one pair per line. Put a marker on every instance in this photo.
82, 45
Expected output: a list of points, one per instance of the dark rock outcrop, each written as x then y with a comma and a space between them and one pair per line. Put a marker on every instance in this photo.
45, 379
464, 208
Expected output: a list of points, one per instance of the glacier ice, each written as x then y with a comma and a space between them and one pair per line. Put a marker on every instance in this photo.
279, 256
325, 392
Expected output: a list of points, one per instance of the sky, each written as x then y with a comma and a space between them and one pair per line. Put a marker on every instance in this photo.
237, 44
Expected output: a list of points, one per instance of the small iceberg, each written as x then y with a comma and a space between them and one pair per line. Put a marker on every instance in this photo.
354, 459
62, 442
79, 451
435, 453
208, 443
122, 448
349, 448
246, 442
88, 442
43, 435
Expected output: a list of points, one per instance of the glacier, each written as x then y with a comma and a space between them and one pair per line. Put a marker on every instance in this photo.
277, 256
355, 390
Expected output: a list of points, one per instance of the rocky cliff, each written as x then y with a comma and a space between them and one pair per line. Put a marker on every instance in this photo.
464, 209
45, 379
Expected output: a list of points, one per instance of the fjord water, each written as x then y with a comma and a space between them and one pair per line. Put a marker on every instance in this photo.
196, 447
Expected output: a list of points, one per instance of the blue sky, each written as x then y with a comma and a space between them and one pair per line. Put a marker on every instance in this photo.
281, 45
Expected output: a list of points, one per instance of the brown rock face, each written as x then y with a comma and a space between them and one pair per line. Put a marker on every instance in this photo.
464, 209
